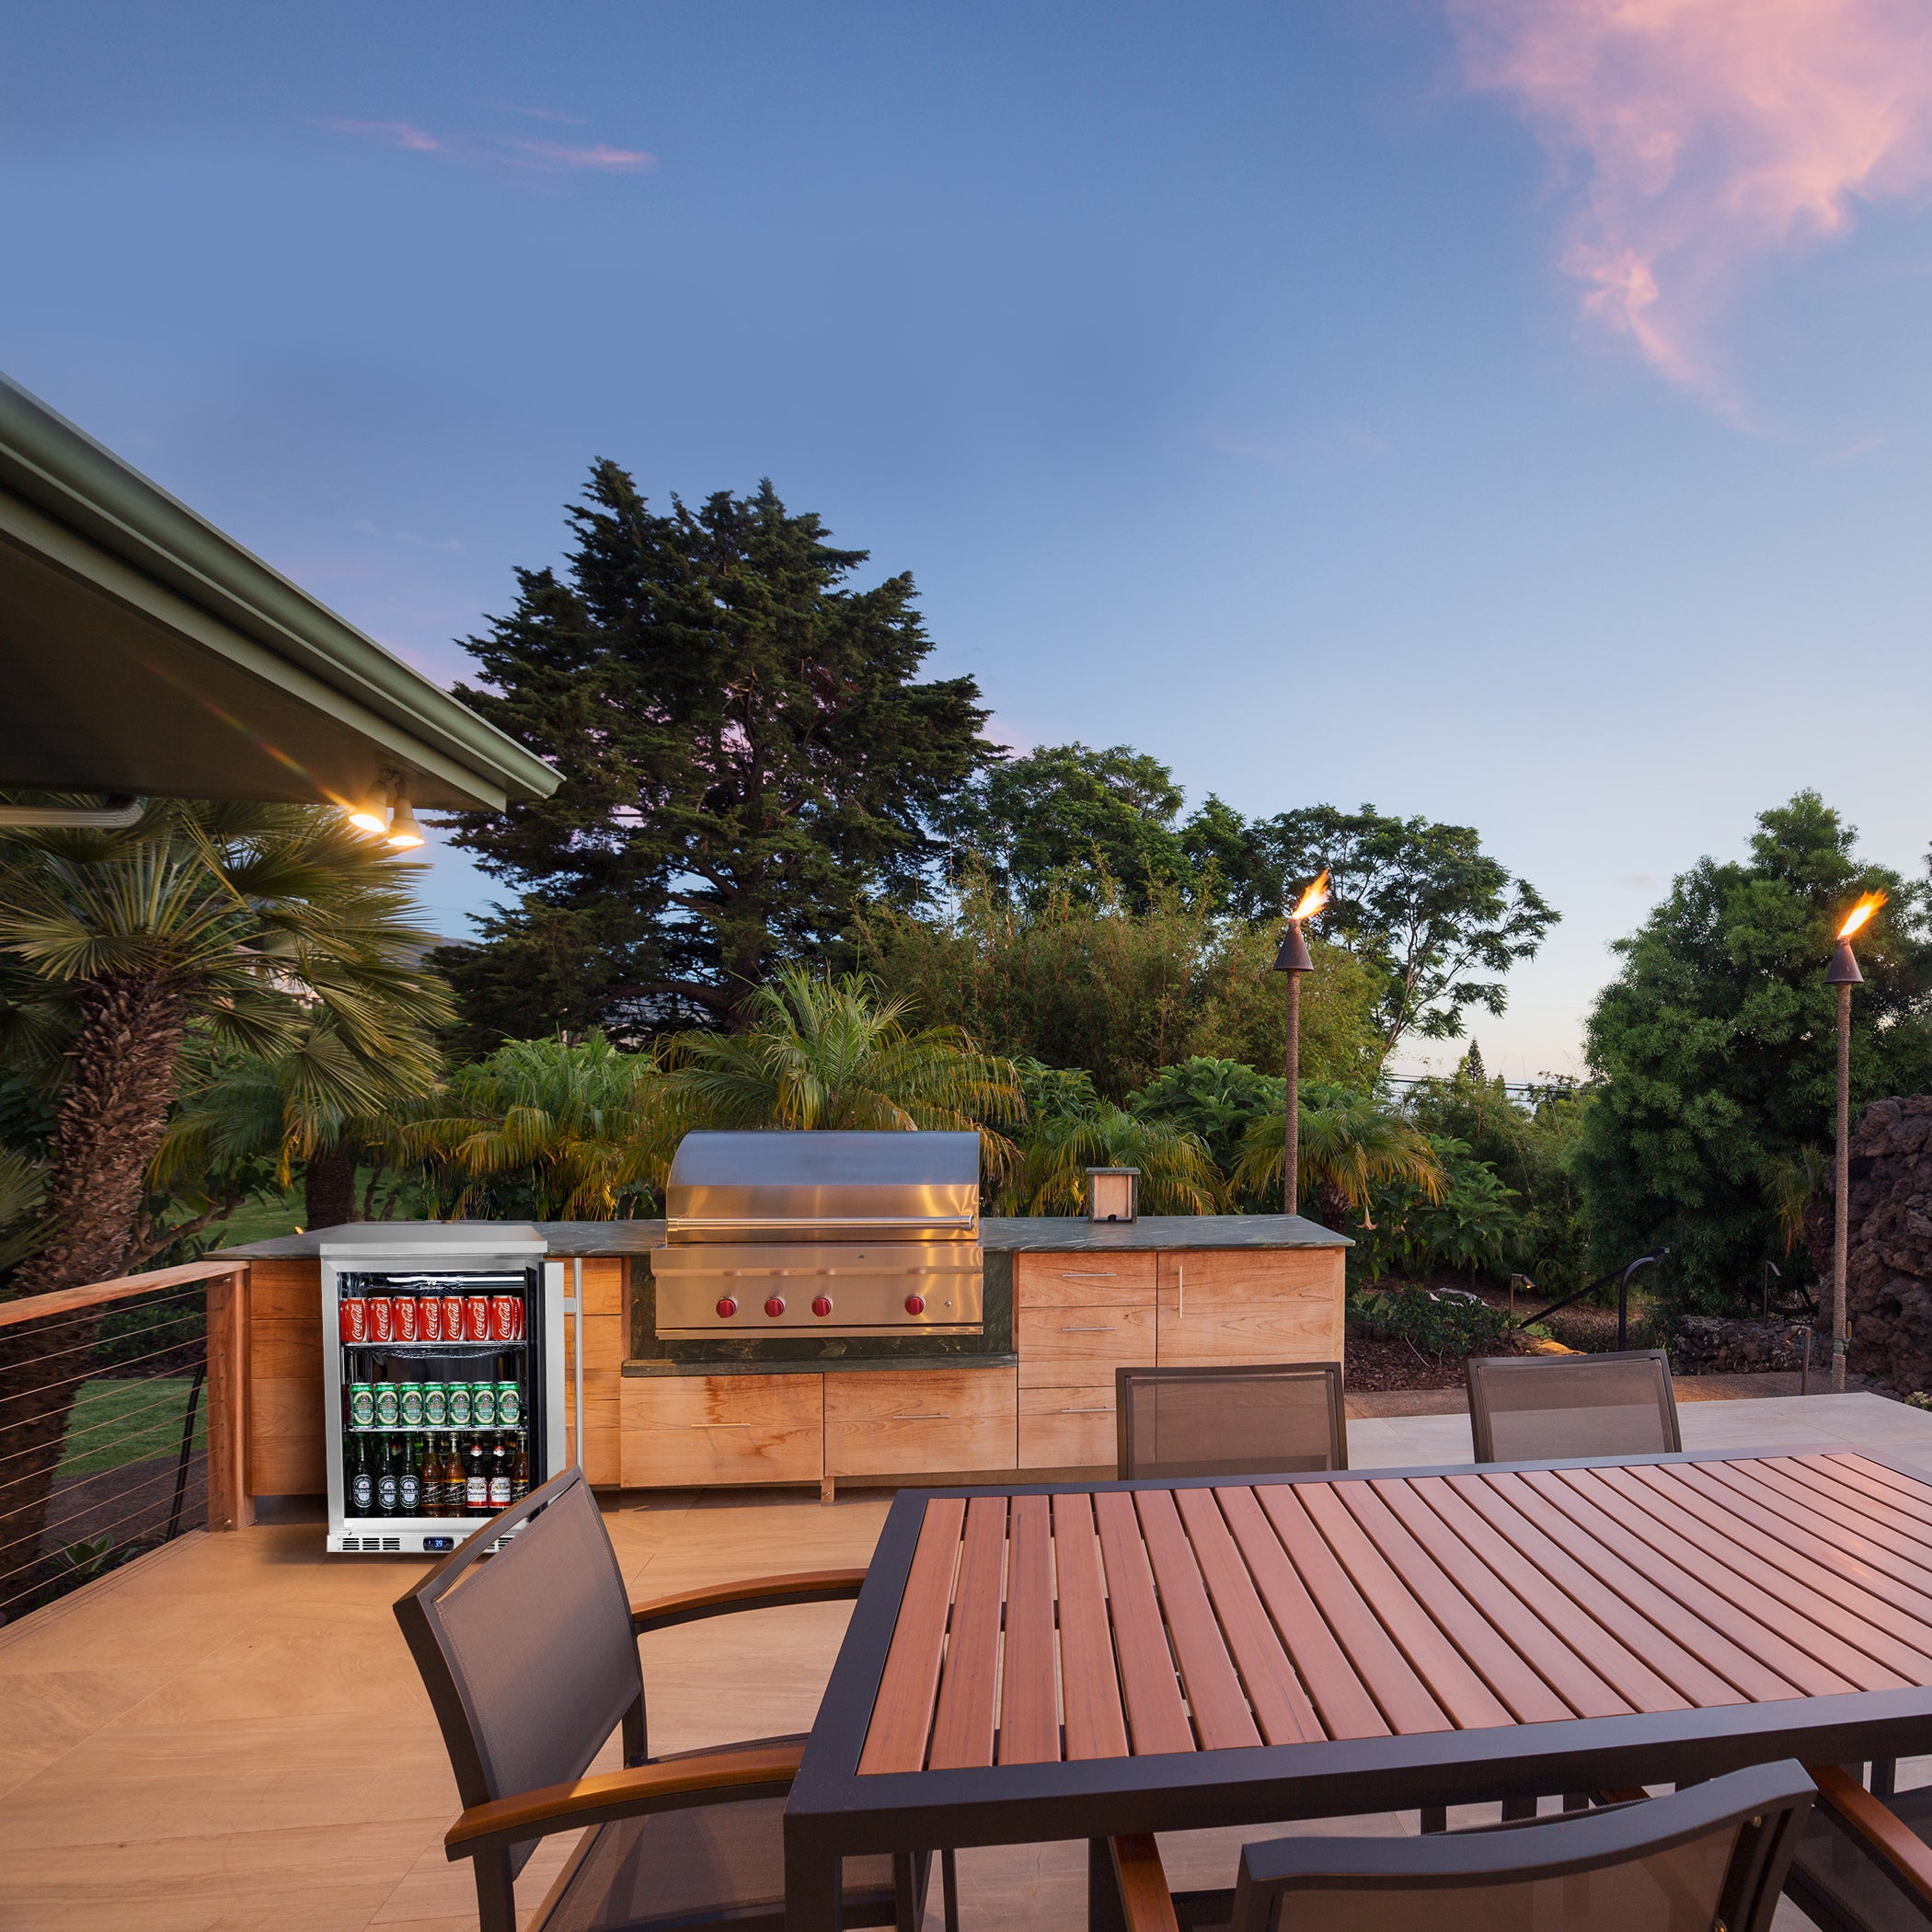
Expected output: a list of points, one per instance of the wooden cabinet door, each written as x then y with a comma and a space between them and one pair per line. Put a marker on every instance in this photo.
915, 1421
1060, 1347
1070, 1428
683, 1431
1080, 1281
1249, 1305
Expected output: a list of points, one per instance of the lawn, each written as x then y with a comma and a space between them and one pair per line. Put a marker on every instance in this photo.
118, 1422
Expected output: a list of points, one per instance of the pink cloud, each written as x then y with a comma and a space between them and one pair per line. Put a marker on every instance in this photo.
392, 134
611, 160
1708, 134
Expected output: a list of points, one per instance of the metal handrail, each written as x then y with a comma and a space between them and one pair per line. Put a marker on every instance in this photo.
1602, 1281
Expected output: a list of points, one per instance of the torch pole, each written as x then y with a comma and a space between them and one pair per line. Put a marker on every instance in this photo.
1841, 1193
1292, 1162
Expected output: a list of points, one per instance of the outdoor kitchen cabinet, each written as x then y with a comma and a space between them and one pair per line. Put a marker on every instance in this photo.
921, 1421
688, 1431
1235, 1305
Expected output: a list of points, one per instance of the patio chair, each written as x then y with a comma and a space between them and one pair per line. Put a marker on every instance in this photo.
530, 1658
1864, 1863
1264, 1420
1525, 1408
1709, 1860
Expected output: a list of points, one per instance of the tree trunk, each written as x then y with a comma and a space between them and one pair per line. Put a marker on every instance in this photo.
112, 1112
328, 1186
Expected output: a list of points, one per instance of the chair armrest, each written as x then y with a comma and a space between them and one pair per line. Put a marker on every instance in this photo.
1887, 1837
1146, 1904
808, 1586
719, 1777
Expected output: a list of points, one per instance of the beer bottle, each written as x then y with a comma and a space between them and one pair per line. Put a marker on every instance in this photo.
386, 1479
362, 1479
429, 1480
454, 1482
408, 1480
476, 1483
498, 1477
520, 1471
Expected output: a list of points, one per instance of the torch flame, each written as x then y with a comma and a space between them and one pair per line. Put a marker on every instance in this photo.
1860, 912
1312, 900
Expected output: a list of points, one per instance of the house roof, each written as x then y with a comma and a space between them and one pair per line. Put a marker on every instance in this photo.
142, 651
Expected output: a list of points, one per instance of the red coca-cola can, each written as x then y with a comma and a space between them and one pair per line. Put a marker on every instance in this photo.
429, 1318
352, 1311
381, 1318
453, 1317
503, 1316
516, 1320
406, 1310
475, 1317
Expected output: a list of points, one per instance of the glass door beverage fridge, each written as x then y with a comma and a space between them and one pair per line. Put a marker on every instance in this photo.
442, 1373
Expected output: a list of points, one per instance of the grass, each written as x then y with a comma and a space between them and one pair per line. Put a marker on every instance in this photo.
115, 1423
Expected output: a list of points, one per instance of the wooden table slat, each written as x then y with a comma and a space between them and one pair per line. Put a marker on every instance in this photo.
1901, 1490
1454, 1685
1404, 1698
902, 1714
1692, 1680
1283, 1712
1879, 1569
1754, 1679
1157, 1717
1089, 1689
1824, 1573
1822, 1500
1789, 1660
962, 1732
1028, 1706
1759, 1589
1900, 1508
1581, 1661
1207, 1674
1344, 1704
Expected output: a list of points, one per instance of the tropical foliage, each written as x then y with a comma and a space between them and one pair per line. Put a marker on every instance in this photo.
1350, 1144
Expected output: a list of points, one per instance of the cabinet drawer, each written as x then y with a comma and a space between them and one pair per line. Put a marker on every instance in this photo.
1083, 1279
682, 1430
894, 1422
1061, 1346
1068, 1428
1252, 1305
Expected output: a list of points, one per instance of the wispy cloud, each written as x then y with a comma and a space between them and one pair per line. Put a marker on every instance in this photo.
510, 107
1853, 451
1708, 134
598, 157
527, 151
391, 134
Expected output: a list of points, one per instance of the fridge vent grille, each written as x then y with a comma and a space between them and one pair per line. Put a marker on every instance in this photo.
369, 1546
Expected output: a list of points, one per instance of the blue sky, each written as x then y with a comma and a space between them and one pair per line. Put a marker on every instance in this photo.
1320, 397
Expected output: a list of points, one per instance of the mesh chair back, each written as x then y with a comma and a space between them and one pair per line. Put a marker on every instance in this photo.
1260, 1420
1523, 1408
1713, 1857
528, 1654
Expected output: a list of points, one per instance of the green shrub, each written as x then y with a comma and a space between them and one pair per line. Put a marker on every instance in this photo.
1431, 1323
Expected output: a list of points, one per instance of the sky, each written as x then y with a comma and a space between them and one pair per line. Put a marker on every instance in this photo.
1509, 412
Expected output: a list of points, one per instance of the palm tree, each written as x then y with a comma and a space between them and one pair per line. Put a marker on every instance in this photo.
1177, 1173
831, 1053
233, 918
546, 1129
1349, 1141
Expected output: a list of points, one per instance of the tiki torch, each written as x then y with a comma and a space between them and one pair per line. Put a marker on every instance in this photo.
1843, 974
1294, 959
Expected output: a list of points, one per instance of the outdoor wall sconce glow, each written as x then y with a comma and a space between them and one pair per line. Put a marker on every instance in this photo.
385, 813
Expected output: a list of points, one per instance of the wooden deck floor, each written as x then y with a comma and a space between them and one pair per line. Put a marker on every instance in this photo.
229, 1734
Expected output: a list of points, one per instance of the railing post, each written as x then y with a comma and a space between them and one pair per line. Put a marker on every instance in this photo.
227, 1382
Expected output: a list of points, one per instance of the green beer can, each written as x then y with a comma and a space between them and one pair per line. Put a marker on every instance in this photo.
483, 1404
362, 1404
510, 1405
409, 1405
388, 1405
435, 1405
459, 1404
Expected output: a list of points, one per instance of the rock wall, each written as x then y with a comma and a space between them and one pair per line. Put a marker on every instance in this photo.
1888, 1282
1711, 1345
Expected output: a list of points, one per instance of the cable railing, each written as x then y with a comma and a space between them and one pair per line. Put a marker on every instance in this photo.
118, 1429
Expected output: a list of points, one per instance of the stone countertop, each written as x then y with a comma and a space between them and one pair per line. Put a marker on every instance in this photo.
1035, 1234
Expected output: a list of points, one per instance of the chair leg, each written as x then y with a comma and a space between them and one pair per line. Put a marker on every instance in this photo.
1515, 1808
912, 1873
950, 1887
1436, 1818
1884, 1776
1576, 1800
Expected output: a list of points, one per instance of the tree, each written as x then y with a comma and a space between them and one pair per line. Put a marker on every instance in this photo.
1350, 1143
1177, 1176
1440, 920
1715, 1047
1215, 1100
748, 760
230, 918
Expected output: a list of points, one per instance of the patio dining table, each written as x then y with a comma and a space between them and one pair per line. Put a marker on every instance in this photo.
1080, 1661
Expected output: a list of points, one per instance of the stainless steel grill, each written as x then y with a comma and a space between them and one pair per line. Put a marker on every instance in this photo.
834, 1234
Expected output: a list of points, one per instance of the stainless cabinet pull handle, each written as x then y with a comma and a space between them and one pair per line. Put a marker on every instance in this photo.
1070, 1329
1181, 1291
1089, 1274
938, 1415
713, 1425
1102, 1410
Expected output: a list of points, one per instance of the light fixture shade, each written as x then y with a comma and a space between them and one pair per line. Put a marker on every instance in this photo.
373, 813
405, 834
1294, 956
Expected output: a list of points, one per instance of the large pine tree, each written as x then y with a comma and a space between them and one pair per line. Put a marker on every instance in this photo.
746, 756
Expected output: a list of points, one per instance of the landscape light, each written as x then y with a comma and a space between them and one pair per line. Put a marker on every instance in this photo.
1843, 974
1294, 958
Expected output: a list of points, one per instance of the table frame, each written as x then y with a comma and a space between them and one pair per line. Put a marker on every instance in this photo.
833, 1813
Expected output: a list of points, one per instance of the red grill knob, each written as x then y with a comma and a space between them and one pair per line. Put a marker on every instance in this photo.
727, 1307
822, 1304
915, 1305
775, 1307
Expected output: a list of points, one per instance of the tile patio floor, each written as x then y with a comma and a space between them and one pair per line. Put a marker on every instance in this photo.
229, 1735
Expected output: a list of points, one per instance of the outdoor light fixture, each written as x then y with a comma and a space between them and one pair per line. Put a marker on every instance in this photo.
373, 813
1843, 974
1112, 1193
1294, 958
405, 834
